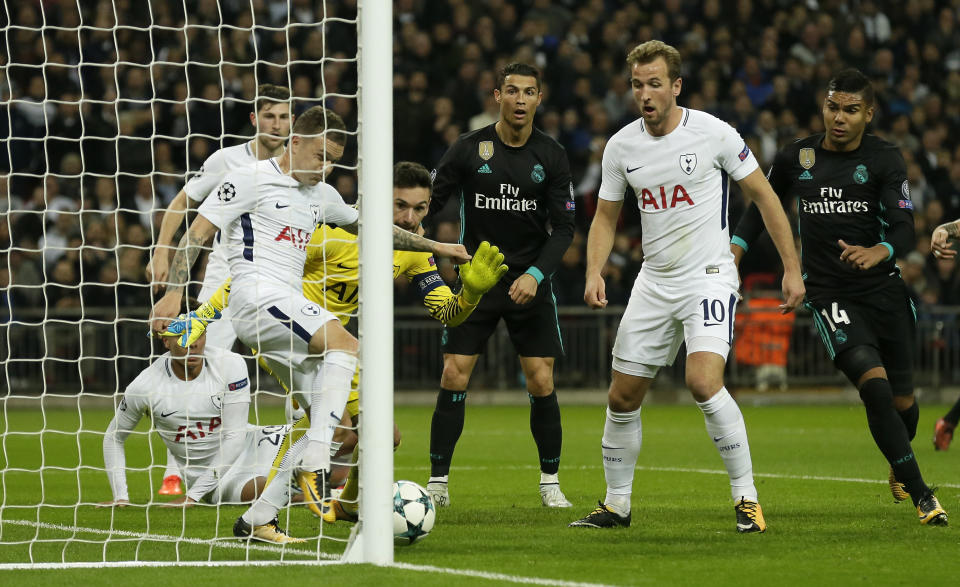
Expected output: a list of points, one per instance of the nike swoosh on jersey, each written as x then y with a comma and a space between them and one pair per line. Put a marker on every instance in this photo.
634, 169
345, 267
279, 207
162, 415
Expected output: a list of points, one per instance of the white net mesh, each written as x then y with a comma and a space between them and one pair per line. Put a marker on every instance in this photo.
108, 108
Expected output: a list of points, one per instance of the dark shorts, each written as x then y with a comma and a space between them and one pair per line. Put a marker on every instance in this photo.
534, 328
885, 320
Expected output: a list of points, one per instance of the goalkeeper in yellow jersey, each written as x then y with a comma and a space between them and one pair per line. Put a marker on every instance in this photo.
330, 278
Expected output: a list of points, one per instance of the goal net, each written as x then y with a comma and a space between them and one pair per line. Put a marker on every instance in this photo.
109, 108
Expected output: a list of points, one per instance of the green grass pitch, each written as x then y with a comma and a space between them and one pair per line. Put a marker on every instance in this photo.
821, 480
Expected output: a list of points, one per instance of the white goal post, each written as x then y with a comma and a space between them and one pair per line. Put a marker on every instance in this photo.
102, 111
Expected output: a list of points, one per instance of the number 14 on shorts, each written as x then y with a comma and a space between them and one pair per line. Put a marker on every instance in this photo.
836, 315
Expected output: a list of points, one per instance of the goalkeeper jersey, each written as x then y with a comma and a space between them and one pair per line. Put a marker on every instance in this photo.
330, 275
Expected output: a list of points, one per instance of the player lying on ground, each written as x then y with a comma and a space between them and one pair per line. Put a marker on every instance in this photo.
942, 242
272, 119
855, 217
198, 399
331, 279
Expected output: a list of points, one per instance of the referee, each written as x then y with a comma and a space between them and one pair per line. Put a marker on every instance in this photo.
515, 190
855, 219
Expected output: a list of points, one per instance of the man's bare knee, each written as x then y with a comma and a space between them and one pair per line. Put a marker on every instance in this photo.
456, 371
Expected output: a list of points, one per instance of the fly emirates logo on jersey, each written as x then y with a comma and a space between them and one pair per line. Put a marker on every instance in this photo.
832, 202
664, 198
508, 200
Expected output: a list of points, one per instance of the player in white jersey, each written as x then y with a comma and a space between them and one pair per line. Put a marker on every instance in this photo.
272, 119
267, 213
677, 162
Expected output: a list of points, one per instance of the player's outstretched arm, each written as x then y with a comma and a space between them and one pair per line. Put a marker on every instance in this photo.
168, 307
159, 265
599, 244
756, 187
114, 456
482, 272
941, 241
404, 240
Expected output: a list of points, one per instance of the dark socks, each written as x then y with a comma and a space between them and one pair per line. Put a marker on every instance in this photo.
910, 417
890, 434
445, 429
547, 431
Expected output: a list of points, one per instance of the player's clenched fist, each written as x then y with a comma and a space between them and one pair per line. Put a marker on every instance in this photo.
941, 241
595, 293
482, 272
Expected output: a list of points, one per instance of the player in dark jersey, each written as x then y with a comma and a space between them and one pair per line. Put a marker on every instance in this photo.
941, 242
855, 218
514, 186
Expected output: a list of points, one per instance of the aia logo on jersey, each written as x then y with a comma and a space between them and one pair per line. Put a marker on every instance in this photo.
297, 237
648, 198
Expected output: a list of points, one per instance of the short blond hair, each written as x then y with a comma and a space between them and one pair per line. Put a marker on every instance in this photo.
649, 51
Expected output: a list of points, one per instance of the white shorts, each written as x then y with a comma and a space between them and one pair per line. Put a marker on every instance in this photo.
262, 446
659, 316
220, 333
278, 322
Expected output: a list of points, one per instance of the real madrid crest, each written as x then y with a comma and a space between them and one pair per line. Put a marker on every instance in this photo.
807, 157
485, 150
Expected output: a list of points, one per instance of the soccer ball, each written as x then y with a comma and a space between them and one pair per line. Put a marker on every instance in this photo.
413, 513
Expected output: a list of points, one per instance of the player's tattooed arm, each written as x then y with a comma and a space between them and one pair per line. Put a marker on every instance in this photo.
187, 252
168, 307
404, 240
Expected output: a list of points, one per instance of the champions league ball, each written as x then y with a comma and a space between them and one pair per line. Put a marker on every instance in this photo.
413, 513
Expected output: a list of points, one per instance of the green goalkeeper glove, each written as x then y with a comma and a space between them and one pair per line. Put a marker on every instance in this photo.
482, 272
189, 327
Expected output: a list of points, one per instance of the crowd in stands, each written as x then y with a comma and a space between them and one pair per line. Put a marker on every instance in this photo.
106, 121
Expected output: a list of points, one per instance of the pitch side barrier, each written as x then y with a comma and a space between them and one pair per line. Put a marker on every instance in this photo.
101, 352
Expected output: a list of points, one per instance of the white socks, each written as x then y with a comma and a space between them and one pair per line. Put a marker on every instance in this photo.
622, 438
277, 493
729, 434
328, 396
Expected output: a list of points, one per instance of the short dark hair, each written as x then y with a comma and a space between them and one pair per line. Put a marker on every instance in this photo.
516, 68
852, 81
270, 94
317, 120
407, 174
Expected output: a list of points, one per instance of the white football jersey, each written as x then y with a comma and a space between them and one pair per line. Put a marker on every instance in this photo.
680, 180
267, 217
198, 188
187, 414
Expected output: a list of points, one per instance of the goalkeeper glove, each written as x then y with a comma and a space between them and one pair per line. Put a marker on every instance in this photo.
191, 326
481, 272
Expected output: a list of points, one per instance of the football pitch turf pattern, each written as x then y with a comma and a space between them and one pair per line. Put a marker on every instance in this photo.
822, 485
